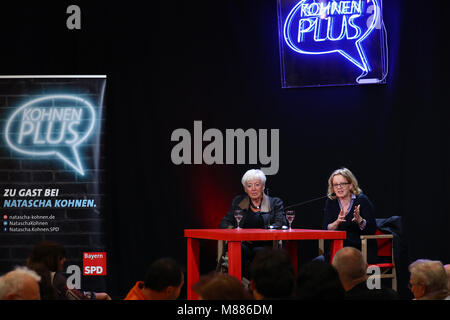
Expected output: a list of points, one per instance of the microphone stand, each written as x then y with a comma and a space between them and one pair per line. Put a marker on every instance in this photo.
305, 202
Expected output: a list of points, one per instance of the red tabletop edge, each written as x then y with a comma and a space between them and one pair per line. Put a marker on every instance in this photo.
263, 234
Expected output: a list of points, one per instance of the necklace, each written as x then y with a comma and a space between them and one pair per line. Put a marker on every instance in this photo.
254, 206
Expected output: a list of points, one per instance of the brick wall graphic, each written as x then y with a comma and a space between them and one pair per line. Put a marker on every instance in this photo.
52, 167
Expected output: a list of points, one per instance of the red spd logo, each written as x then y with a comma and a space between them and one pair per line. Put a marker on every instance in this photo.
94, 263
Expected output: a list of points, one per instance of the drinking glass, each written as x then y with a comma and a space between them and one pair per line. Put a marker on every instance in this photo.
290, 215
238, 217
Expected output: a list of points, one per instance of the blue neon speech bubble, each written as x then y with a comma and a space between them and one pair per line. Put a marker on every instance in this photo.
54, 125
337, 26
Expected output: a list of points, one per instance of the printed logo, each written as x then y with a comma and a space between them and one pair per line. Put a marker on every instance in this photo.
52, 126
94, 263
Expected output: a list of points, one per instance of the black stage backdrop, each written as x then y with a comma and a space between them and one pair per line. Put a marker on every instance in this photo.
170, 63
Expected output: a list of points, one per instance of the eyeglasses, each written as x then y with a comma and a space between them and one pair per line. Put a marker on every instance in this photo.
339, 185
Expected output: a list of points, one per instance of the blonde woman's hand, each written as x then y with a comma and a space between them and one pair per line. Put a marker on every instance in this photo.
356, 215
339, 220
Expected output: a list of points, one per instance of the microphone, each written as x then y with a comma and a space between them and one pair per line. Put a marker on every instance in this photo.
308, 201
297, 205
300, 204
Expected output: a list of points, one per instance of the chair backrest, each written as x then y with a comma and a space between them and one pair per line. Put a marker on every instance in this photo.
384, 246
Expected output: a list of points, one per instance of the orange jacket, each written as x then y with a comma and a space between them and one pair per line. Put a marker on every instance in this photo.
136, 292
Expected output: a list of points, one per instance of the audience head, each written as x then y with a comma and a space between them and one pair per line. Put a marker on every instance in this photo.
428, 279
318, 280
350, 266
20, 284
220, 286
164, 279
272, 275
49, 253
46, 288
447, 270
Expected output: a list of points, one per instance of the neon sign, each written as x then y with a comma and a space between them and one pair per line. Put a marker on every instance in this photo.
343, 27
52, 126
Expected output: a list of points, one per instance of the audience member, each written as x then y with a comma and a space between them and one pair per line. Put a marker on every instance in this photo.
20, 284
318, 280
163, 281
428, 280
351, 268
51, 255
447, 271
220, 286
46, 289
272, 275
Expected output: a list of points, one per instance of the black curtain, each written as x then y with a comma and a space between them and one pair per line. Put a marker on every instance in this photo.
171, 63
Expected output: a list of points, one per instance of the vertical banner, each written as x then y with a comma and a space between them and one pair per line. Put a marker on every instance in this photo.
332, 42
51, 170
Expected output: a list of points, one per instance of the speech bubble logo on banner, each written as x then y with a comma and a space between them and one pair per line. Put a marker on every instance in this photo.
54, 125
325, 27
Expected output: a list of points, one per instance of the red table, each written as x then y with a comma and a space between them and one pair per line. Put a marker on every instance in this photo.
234, 238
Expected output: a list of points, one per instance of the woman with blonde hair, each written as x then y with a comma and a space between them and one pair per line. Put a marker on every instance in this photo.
348, 209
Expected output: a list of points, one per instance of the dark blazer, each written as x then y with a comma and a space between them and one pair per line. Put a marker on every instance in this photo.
366, 211
272, 212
